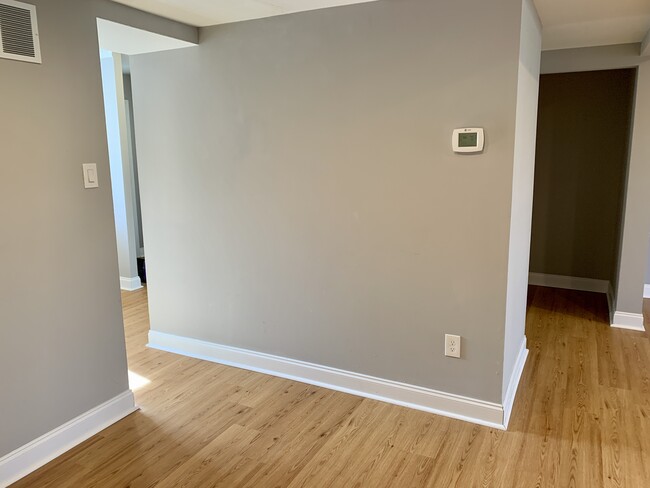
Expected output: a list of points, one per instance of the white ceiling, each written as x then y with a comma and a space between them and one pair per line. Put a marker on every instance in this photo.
203, 13
129, 40
567, 23
580, 23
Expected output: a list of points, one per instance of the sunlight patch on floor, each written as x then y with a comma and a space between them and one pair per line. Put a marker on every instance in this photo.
136, 381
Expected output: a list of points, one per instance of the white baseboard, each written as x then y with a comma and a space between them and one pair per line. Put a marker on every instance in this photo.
438, 402
130, 284
515, 378
31, 456
646, 291
569, 282
625, 320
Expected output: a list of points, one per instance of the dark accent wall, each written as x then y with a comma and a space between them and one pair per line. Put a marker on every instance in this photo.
583, 136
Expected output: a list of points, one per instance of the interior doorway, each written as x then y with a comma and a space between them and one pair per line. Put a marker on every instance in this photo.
133, 162
581, 164
120, 133
117, 44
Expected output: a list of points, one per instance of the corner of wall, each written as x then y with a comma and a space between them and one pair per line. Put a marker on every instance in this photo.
30, 457
522, 198
513, 383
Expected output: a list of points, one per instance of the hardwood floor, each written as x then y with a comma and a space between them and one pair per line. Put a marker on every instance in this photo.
581, 419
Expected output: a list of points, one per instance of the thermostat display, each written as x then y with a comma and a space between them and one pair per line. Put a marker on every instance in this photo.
468, 140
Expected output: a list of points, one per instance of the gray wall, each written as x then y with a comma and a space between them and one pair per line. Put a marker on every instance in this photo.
61, 336
636, 225
592, 58
581, 162
300, 196
522, 189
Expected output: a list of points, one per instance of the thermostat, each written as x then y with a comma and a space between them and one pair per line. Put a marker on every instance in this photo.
468, 140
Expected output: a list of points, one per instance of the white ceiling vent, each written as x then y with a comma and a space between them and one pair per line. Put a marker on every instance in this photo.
19, 32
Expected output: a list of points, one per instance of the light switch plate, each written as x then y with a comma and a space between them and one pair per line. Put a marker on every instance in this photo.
90, 176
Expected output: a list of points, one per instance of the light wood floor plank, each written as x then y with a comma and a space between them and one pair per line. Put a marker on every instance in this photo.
581, 419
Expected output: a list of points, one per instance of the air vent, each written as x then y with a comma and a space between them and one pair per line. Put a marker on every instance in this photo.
19, 32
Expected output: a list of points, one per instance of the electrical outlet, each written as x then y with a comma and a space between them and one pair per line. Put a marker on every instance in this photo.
452, 346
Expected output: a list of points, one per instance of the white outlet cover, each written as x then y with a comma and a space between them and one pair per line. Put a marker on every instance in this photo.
452, 345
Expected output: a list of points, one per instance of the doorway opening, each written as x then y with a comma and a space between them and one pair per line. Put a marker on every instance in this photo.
118, 103
581, 165
118, 44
